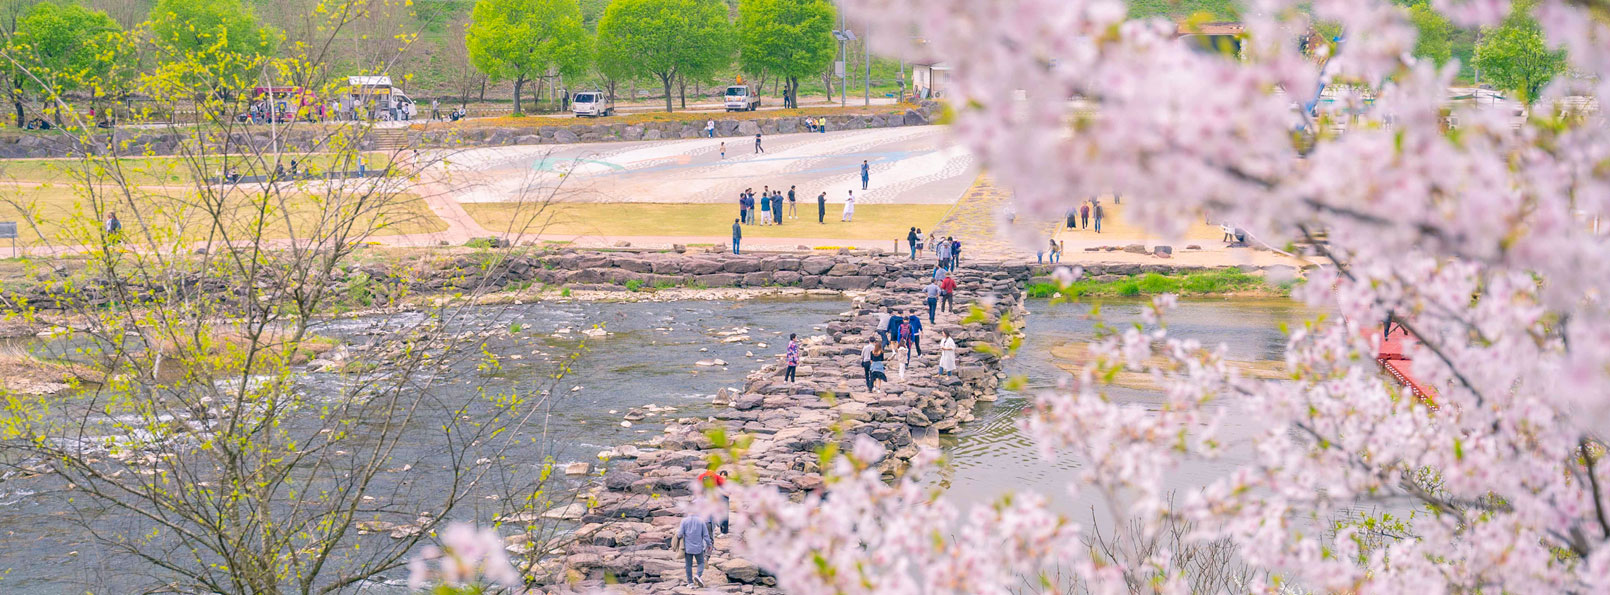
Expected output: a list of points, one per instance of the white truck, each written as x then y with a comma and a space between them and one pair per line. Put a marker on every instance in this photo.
592, 104
742, 98
379, 99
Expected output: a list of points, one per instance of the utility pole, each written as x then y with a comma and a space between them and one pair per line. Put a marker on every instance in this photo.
844, 35
866, 54
844, 58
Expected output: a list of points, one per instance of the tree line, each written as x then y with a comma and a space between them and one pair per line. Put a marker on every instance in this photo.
665, 41
59, 49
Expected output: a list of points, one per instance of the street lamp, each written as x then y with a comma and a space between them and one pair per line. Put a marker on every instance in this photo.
843, 35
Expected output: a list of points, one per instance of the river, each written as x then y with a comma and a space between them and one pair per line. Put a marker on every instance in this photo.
648, 358
991, 456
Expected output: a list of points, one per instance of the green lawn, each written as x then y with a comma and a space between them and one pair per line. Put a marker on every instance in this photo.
872, 222
150, 171
65, 216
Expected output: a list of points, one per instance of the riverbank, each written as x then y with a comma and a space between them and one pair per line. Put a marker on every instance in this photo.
1229, 282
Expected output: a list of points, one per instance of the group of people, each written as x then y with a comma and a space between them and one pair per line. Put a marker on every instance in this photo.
771, 206
1055, 251
901, 334
1080, 218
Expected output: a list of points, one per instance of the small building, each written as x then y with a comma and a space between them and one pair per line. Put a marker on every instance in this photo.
930, 81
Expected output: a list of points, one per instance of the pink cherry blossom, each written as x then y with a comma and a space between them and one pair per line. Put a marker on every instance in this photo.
1483, 242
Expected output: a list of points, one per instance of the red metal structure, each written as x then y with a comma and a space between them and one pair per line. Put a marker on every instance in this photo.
1394, 359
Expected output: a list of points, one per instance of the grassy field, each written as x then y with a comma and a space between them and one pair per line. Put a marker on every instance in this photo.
872, 222
65, 216
1224, 282
153, 171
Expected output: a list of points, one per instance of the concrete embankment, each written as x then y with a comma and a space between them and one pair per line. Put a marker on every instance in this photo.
625, 533
318, 137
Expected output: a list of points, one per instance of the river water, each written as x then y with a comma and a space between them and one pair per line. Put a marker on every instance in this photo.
648, 358
990, 456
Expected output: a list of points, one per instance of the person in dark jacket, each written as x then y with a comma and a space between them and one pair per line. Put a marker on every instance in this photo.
777, 206
912, 238
916, 332
737, 235
821, 208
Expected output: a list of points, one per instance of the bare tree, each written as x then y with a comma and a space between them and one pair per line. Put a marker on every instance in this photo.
197, 426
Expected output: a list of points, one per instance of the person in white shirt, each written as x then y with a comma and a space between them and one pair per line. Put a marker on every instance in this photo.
849, 208
947, 355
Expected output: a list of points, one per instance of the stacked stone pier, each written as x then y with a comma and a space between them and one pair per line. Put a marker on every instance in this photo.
624, 537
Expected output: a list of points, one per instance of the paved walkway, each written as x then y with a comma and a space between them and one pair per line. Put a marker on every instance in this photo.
976, 221
909, 165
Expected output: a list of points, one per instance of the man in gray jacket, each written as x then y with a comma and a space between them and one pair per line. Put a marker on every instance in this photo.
697, 539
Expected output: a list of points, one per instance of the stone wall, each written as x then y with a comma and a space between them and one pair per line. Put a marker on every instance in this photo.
620, 131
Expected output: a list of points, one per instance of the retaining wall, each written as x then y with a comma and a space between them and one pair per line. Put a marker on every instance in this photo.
312, 137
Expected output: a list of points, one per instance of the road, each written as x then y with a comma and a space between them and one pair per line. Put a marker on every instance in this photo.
909, 165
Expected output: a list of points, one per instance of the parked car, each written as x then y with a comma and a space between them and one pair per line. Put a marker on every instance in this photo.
592, 104
742, 98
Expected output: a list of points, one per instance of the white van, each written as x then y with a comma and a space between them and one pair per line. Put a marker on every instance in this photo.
592, 104
742, 98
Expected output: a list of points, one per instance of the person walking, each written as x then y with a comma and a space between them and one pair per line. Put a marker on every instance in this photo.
718, 482
113, 226
1099, 214
435, 109
876, 368
947, 294
944, 253
866, 174
723, 150
932, 291
791, 358
881, 325
737, 235
947, 354
777, 206
906, 336
1073, 218
1084, 216
902, 356
893, 326
696, 539
758, 148
911, 238
793, 213
955, 254
821, 208
866, 360
849, 207
710, 128
916, 332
